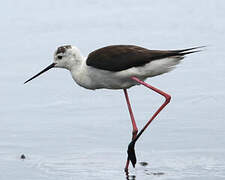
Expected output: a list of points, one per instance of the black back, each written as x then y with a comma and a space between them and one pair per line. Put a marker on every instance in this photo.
122, 57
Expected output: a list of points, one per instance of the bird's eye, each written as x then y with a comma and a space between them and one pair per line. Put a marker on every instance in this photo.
59, 57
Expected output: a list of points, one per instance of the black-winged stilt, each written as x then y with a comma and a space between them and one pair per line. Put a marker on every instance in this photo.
119, 67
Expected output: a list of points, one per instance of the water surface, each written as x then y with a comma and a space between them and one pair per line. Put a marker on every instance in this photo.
67, 132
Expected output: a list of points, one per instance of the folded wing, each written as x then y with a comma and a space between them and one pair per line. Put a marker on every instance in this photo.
122, 57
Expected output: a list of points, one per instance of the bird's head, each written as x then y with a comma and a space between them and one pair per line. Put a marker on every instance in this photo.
65, 56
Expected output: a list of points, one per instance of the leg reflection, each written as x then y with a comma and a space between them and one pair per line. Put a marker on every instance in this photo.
129, 176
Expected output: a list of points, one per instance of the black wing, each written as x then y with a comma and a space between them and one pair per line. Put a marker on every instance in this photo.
122, 57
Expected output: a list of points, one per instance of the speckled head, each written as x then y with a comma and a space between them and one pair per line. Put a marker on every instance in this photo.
60, 54
62, 49
67, 56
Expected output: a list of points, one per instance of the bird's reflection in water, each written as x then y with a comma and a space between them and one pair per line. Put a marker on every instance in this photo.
146, 172
130, 176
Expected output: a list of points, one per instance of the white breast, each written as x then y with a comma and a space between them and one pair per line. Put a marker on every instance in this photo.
92, 78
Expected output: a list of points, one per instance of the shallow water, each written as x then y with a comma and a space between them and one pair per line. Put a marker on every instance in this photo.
67, 132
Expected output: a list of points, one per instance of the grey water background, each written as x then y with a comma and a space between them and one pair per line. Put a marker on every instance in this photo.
67, 132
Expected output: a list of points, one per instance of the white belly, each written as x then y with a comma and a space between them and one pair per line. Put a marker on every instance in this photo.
92, 78
98, 79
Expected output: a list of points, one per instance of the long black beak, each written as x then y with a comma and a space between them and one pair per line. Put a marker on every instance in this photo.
44, 70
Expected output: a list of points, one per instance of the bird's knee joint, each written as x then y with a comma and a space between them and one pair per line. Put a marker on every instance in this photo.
168, 98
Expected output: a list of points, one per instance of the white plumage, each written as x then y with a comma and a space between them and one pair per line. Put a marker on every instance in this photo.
112, 67
92, 78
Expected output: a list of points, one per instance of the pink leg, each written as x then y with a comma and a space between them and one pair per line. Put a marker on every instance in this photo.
135, 129
131, 152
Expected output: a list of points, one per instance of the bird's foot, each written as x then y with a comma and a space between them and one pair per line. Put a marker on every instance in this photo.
131, 153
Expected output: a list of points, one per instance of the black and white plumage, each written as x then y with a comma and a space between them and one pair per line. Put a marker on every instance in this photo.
111, 67
119, 67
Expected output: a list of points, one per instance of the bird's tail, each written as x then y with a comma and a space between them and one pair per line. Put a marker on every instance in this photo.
183, 52
168, 63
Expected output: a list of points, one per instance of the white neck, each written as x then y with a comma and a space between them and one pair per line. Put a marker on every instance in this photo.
79, 72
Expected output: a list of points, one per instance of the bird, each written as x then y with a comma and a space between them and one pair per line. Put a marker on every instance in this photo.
119, 67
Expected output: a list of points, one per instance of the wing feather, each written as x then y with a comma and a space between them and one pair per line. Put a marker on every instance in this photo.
122, 57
